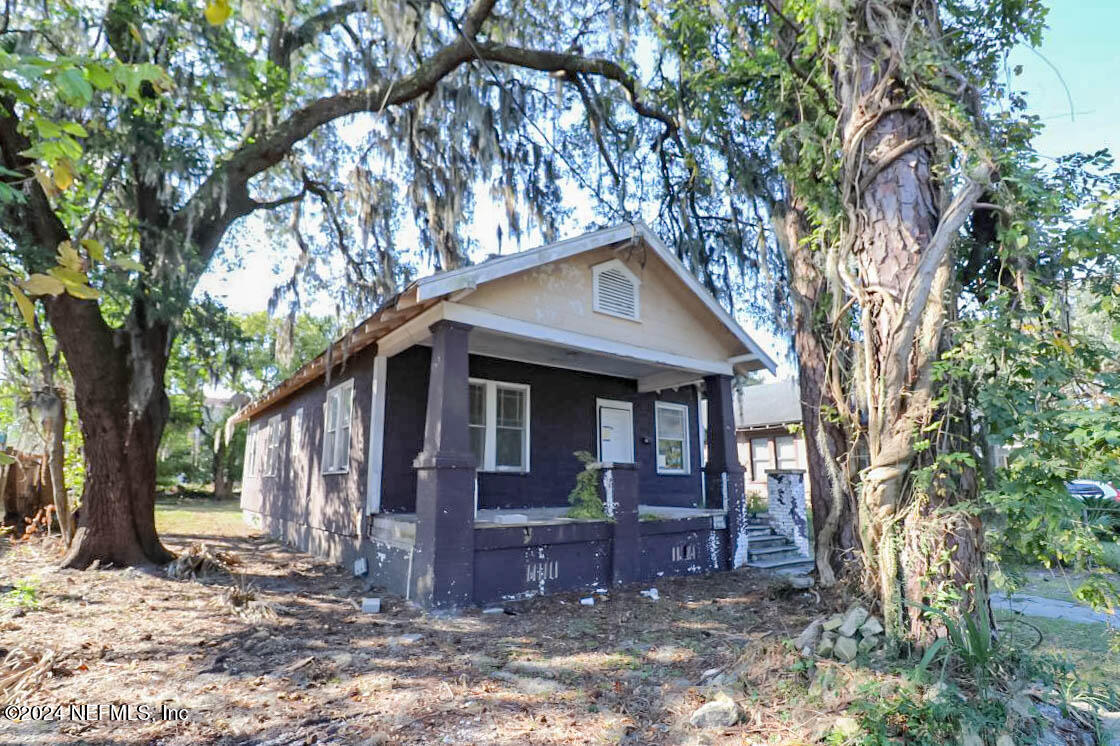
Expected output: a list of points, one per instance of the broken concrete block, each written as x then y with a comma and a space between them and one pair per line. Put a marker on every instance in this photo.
589, 601
371, 605
871, 627
801, 582
868, 644
853, 620
826, 646
810, 635
845, 649
833, 623
719, 713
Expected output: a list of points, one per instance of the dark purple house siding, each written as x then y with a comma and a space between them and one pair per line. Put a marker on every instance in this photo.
314, 511
562, 421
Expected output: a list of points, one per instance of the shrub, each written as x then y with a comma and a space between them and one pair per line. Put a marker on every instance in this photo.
584, 499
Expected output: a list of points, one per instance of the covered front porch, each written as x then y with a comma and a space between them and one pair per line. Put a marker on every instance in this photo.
488, 514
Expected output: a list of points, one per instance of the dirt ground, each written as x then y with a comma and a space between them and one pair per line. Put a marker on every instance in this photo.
316, 669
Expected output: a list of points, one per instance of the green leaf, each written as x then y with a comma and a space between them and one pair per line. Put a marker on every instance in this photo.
26, 308
94, 248
67, 276
73, 88
128, 263
69, 257
100, 77
39, 284
74, 129
6, 460
85, 292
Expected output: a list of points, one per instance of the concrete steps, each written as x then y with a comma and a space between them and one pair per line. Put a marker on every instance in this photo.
769, 550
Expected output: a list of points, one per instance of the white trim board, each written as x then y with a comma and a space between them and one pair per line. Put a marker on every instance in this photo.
469, 278
376, 435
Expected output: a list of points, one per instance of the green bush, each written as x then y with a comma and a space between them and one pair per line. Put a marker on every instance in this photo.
584, 499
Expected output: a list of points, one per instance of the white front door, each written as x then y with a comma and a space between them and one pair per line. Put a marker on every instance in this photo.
616, 431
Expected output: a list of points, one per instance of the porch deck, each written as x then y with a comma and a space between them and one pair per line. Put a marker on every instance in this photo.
402, 526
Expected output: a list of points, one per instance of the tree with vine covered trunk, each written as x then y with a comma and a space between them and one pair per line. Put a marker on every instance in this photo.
886, 153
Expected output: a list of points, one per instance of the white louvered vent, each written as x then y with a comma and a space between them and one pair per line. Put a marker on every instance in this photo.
616, 290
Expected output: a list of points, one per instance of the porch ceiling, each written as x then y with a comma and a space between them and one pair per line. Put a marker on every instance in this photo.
508, 347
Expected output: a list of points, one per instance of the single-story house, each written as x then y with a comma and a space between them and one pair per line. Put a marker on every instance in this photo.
434, 445
768, 430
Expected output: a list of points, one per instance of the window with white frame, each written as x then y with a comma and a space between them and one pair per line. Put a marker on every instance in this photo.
336, 431
786, 449
251, 450
672, 438
615, 290
297, 430
272, 454
761, 461
498, 418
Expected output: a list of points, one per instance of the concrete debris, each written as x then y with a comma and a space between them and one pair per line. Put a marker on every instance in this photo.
846, 649
493, 610
833, 623
721, 712
853, 620
810, 635
371, 605
867, 644
871, 627
589, 601
651, 594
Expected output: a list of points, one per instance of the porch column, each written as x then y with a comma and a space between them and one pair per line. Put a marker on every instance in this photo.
724, 477
443, 559
620, 498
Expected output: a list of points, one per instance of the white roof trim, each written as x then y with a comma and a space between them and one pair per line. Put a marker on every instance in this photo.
468, 278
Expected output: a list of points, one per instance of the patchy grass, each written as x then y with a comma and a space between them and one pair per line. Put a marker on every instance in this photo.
1088, 646
194, 517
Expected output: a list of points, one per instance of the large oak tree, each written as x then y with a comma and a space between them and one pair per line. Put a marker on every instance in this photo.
212, 119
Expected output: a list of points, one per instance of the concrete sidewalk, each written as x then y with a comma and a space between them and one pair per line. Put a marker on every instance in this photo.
1051, 609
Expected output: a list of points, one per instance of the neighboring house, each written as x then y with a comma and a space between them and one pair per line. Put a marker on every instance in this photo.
767, 422
433, 446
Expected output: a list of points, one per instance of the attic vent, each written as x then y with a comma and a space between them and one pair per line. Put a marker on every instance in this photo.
615, 290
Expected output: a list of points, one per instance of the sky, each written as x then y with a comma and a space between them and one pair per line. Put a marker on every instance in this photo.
1072, 82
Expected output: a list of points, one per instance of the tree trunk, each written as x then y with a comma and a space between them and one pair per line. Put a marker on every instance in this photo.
836, 539
223, 486
122, 408
921, 550
56, 458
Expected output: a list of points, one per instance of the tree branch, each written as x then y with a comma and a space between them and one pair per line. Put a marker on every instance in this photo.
285, 42
223, 196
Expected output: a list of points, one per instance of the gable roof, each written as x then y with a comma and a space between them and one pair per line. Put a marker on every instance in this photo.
767, 404
422, 294
468, 278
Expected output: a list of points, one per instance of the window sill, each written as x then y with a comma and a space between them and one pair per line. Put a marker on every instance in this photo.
510, 472
673, 473
335, 472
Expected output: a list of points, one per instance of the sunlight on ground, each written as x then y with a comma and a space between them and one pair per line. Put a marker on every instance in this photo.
200, 517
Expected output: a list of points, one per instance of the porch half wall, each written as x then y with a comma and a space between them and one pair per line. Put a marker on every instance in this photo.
563, 417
